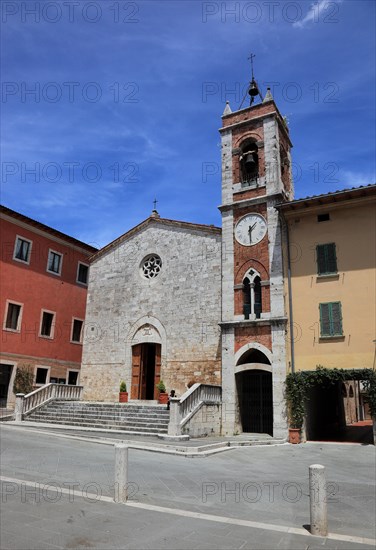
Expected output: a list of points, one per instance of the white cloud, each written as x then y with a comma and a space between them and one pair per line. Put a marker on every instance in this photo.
354, 179
316, 12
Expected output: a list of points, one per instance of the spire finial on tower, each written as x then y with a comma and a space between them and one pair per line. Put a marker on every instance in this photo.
253, 89
227, 110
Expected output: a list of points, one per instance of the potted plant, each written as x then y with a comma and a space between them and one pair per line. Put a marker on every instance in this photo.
295, 398
123, 394
163, 395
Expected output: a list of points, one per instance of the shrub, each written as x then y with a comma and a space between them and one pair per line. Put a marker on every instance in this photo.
24, 380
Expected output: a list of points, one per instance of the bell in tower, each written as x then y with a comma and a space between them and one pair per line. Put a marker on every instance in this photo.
249, 164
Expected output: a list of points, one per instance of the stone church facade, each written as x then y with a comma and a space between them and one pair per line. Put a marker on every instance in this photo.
153, 309
191, 303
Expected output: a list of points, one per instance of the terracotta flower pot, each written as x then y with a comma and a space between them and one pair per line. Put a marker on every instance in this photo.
294, 435
123, 397
163, 398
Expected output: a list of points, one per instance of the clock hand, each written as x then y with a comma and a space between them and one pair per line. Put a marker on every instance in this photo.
250, 233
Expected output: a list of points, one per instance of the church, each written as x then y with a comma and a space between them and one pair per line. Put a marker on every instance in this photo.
191, 304
188, 303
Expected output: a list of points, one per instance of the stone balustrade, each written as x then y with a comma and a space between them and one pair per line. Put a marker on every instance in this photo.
184, 408
26, 404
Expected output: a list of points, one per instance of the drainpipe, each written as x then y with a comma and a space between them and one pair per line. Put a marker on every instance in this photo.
291, 319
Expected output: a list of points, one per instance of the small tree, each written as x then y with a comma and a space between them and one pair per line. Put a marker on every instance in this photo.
23, 381
161, 387
295, 393
123, 387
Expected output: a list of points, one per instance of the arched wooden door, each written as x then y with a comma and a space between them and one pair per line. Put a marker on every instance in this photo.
146, 370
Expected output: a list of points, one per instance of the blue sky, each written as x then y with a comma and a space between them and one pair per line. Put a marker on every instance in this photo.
128, 98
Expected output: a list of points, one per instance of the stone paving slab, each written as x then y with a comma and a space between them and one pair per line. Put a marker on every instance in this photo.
102, 525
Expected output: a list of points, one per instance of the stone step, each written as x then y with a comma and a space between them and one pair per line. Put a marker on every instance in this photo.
109, 412
138, 418
77, 403
55, 406
122, 416
70, 420
163, 412
108, 426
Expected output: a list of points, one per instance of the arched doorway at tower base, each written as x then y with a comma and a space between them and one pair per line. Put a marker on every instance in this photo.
255, 398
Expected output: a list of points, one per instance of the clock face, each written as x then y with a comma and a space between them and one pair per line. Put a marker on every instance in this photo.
250, 229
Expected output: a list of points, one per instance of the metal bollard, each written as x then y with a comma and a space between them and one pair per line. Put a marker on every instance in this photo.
121, 473
317, 498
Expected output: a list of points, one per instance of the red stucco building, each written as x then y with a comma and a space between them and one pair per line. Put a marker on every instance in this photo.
44, 277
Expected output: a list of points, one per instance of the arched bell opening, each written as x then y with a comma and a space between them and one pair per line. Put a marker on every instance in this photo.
249, 163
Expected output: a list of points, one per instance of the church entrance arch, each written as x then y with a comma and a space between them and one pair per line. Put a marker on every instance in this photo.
147, 346
146, 370
255, 392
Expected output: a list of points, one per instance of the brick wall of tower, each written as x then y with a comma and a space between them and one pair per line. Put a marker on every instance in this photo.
251, 256
260, 334
257, 111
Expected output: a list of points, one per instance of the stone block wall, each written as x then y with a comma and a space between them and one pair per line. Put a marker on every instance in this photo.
206, 422
180, 308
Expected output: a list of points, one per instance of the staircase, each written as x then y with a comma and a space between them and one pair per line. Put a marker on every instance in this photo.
136, 419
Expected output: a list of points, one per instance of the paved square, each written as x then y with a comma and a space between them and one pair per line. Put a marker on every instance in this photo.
57, 493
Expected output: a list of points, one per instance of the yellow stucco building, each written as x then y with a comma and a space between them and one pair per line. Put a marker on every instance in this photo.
329, 258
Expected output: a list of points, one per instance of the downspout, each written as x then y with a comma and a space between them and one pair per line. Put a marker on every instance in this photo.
291, 319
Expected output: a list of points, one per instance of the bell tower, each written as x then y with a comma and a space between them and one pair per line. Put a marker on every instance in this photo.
256, 176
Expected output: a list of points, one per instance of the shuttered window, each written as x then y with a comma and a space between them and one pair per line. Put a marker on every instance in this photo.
326, 259
331, 319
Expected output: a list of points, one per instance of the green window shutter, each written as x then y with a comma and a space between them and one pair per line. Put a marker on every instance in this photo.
326, 258
331, 258
336, 318
331, 319
320, 255
325, 320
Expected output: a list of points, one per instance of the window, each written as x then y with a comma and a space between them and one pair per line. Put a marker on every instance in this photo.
331, 319
47, 324
326, 259
54, 262
249, 164
323, 217
73, 377
13, 317
41, 376
77, 330
22, 250
82, 273
151, 266
252, 299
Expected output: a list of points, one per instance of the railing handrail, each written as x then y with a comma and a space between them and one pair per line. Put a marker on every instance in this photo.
43, 395
37, 390
194, 387
195, 398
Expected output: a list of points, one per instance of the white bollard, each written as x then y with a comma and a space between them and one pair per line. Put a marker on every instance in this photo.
121, 472
317, 498
18, 411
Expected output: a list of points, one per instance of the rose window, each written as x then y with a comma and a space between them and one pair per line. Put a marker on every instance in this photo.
151, 266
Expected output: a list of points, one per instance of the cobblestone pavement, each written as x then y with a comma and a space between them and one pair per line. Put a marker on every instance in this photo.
57, 493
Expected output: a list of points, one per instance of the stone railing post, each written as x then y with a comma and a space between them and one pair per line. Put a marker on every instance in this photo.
19, 406
175, 417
